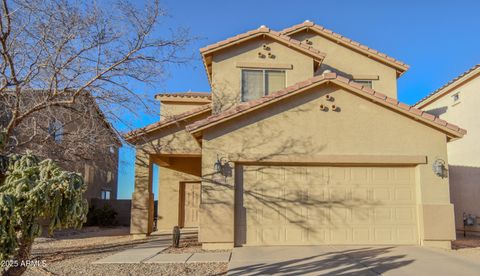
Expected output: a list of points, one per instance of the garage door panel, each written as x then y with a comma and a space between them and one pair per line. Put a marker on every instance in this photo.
329, 205
405, 194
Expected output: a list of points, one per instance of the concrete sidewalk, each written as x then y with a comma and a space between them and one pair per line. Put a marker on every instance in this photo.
150, 252
348, 260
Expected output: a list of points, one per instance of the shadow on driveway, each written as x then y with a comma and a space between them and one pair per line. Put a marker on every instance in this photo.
328, 260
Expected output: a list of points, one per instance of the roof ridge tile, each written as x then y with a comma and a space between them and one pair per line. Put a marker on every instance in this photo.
345, 39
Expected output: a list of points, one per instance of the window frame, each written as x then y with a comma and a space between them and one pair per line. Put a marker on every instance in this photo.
362, 82
456, 97
105, 191
263, 70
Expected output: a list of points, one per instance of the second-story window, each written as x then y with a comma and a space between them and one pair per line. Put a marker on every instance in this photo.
258, 83
456, 97
55, 129
365, 83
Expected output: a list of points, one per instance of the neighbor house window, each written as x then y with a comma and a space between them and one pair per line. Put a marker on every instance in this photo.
456, 97
105, 194
55, 129
365, 83
258, 83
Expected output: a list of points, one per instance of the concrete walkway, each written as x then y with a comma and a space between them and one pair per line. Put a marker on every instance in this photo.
348, 260
150, 252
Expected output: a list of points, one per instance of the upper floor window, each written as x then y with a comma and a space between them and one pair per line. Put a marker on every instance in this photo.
105, 194
55, 129
365, 83
258, 83
456, 97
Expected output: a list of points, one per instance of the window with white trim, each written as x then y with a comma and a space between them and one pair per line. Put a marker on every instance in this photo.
257, 83
105, 194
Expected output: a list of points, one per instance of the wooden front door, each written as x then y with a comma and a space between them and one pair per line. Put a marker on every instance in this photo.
191, 204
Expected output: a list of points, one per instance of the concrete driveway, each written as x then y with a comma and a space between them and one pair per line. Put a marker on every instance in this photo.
349, 260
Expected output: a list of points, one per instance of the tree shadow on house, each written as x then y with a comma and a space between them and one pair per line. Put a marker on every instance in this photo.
360, 261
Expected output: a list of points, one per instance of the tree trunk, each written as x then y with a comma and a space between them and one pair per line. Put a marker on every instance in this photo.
22, 256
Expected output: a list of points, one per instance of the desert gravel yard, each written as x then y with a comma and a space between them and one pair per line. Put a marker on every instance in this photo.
72, 253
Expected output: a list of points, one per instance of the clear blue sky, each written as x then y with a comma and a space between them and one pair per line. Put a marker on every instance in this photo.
438, 39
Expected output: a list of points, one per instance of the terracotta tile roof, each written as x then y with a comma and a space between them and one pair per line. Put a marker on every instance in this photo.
399, 65
266, 31
438, 93
189, 94
451, 129
263, 30
134, 135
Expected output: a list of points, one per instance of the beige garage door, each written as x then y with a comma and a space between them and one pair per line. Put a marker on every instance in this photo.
326, 205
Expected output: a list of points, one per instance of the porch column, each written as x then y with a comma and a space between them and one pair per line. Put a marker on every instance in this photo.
141, 222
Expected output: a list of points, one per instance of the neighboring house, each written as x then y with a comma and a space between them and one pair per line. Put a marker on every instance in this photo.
79, 138
458, 102
297, 147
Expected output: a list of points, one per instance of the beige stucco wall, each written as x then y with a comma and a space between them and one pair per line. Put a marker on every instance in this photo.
226, 75
349, 63
169, 109
298, 127
178, 152
173, 140
463, 154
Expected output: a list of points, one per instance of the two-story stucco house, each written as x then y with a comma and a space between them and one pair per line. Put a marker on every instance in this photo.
458, 102
302, 141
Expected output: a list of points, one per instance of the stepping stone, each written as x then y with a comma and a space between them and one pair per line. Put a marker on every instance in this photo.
169, 258
217, 257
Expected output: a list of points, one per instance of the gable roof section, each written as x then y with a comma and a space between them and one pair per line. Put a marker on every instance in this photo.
262, 31
451, 130
400, 66
456, 82
135, 135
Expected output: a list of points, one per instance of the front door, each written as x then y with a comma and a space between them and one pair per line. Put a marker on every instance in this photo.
191, 204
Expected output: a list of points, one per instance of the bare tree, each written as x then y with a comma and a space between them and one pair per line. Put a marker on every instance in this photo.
57, 56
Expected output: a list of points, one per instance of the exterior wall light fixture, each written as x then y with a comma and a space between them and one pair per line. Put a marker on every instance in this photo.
223, 167
439, 168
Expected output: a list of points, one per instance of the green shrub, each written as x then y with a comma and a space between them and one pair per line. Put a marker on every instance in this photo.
105, 216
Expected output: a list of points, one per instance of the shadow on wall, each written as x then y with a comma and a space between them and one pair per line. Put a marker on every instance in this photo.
438, 111
268, 143
362, 261
465, 192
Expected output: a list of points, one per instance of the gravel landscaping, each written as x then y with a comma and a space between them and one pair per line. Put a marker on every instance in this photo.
72, 253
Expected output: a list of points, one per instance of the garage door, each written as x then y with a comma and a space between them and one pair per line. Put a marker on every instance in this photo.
287, 205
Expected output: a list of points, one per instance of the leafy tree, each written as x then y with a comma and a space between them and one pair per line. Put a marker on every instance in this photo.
31, 191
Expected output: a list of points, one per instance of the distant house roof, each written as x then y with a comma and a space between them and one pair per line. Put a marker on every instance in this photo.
183, 95
451, 130
87, 96
456, 82
262, 31
401, 67
134, 135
